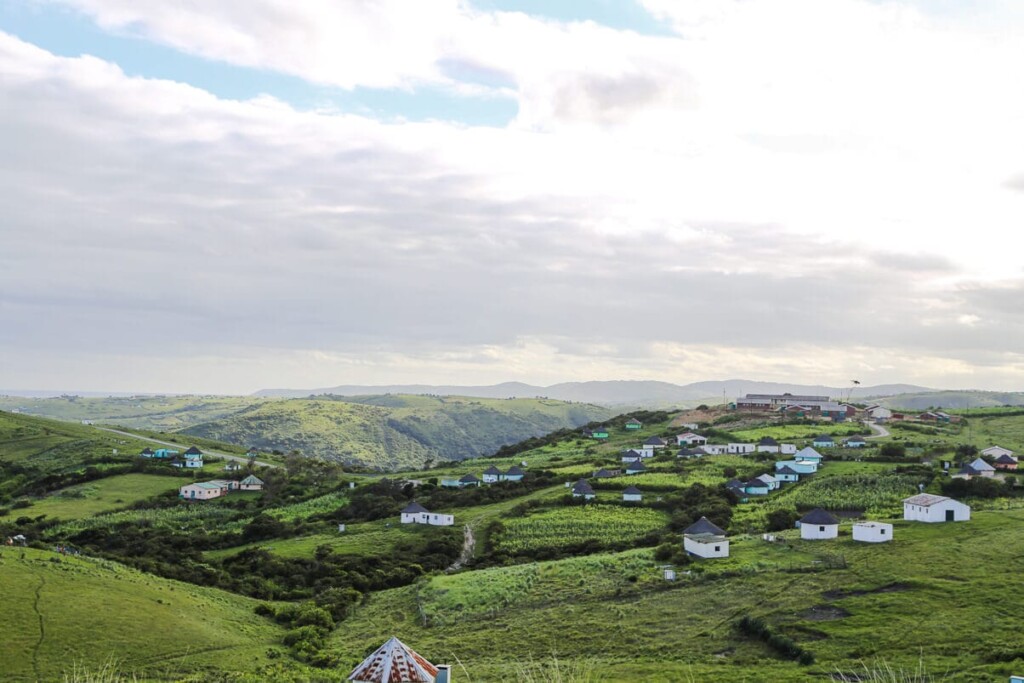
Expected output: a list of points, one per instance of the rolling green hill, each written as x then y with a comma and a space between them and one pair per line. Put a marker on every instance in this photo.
950, 400
396, 431
62, 614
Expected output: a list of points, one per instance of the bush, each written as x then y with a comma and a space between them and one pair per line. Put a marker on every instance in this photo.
782, 519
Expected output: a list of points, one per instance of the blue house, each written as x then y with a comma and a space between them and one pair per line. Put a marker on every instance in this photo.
798, 466
164, 453
856, 442
823, 441
514, 474
809, 454
786, 473
756, 487
193, 458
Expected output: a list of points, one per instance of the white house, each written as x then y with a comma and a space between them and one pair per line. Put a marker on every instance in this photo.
768, 445
251, 483
583, 489
925, 507
704, 539
645, 451
715, 448
492, 474
697, 452
636, 468
631, 455
690, 439
872, 532
514, 474
855, 442
818, 524
414, 513
991, 451
692, 426
632, 494
232, 466
787, 448
983, 468
193, 458
203, 490
879, 413
655, 442
740, 448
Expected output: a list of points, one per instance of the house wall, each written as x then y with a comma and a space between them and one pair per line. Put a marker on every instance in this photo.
768, 449
252, 487
635, 497
787, 448
813, 532
937, 512
740, 448
877, 533
720, 549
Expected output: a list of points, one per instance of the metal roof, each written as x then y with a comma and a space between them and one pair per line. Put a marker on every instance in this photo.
413, 507
925, 499
394, 662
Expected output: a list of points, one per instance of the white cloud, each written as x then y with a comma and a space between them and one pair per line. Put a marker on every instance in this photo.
788, 187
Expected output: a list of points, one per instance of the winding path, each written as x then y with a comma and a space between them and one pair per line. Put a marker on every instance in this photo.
217, 454
468, 544
42, 628
880, 432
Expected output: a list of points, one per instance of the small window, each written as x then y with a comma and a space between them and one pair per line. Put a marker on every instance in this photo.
821, 528
882, 531
718, 548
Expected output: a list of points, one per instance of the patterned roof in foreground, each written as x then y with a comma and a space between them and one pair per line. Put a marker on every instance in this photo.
394, 662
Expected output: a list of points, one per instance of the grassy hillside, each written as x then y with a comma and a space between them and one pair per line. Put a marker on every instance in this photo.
394, 432
157, 413
65, 613
614, 616
953, 400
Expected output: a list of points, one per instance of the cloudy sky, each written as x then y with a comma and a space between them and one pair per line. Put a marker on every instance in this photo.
220, 196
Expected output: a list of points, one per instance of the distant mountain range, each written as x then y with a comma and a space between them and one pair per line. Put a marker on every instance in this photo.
611, 393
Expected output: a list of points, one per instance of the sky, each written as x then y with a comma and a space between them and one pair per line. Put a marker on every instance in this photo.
217, 197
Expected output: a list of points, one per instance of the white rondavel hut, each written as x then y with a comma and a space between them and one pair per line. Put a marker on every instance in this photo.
872, 532
632, 494
924, 507
704, 539
396, 662
414, 513
818, 524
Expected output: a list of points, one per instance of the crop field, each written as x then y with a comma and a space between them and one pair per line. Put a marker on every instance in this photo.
307, 508
563, 527
710, 470
657, 480
102, 495
181, 517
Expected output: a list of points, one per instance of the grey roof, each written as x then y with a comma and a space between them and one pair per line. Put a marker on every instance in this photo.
251, 480
768, 441
703, 526
688, 451
636, 466
824, 437
818, 516
583, 486
492, 470
469, 479
655, 441
602, 474
413, 507
925, 499
193, 451
786, 469
967, 469
734, 482
631, 490
1006, 460
633, 421
982, 466
855, 437
514, 470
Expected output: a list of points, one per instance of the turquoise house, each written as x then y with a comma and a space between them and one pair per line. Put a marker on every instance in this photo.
599, 433
798, 466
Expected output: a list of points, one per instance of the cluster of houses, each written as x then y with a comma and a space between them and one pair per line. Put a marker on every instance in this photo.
1002, 459
190, 459
794, 405
490, 476
215, 488
704, 539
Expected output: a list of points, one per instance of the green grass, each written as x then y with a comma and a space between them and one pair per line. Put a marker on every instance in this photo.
951, 579
102, 495
370, 538
564, 527
60, 613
